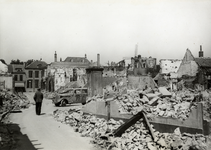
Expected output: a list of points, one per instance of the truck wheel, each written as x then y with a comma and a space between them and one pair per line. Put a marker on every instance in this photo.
57, 104
63, 103
83, 103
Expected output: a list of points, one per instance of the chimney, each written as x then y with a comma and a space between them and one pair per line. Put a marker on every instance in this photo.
98, 60
55, 57
201, 53
85, 56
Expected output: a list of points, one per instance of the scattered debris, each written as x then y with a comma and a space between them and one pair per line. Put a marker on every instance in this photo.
136, 136
10, 103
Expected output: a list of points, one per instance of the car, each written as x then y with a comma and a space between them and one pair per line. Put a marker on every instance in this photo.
72, 95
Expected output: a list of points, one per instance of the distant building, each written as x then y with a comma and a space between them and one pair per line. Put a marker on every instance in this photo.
19, 76
143, 66
3, 67
63, 72
115, 70
34, 75
168, 73
6, 81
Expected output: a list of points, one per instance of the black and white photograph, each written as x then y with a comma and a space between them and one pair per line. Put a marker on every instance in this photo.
105, 75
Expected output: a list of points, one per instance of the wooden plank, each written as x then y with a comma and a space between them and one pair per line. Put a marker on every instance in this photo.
119, 131
108, 110
149, 126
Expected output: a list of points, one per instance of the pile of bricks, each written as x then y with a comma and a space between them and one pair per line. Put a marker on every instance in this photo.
207, 105
137, 137
176, 106
13, 102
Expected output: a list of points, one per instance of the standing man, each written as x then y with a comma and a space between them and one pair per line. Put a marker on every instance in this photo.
38, 97
1, 99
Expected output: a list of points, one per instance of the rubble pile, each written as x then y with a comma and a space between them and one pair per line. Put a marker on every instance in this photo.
167, 108
137, 137
87, 125
207, 105
178, 106
13, 102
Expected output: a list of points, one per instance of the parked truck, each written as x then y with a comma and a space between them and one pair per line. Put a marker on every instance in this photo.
70, 96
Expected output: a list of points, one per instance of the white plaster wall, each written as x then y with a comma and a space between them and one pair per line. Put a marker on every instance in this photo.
8, 81
3, 68
169, 66
189, 68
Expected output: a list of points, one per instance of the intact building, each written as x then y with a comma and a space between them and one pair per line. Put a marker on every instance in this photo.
34, 75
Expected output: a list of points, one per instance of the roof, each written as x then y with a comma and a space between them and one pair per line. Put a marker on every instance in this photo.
69, 64
77, 60
203, 62
37, 65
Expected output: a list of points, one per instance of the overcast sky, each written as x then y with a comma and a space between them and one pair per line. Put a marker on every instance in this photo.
163, 29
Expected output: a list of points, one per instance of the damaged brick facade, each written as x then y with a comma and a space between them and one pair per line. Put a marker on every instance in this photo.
142, 66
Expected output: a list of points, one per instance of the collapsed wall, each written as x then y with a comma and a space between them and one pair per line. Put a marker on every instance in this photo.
140, 82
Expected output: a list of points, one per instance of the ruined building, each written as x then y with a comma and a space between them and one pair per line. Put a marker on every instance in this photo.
6, 80
142, 66
168, 73
195, 71
61, 72
115, 70
140, 72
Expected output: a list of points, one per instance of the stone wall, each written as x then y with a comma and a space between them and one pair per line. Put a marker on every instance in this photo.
8, 81
189, 68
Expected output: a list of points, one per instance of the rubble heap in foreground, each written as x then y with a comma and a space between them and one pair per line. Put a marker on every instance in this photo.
136, 137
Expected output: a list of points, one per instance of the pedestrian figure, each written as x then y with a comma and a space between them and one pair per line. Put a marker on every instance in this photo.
1, 99
38, 97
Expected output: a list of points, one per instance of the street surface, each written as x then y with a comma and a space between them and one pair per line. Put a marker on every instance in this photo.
46, 133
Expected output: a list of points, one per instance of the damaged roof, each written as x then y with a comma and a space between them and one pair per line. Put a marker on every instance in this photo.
77, 59
203, 62
37, 65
